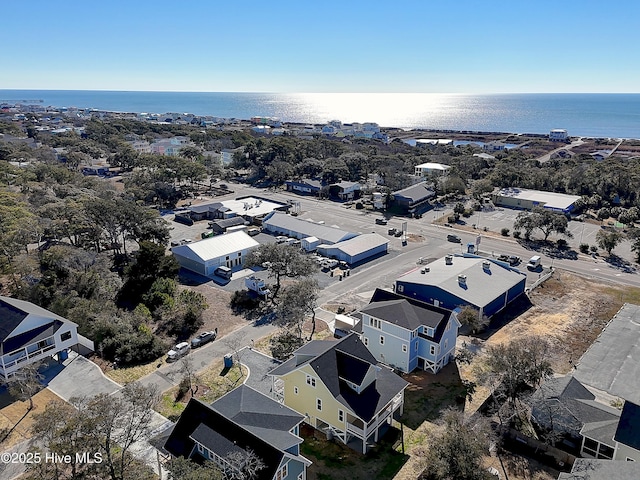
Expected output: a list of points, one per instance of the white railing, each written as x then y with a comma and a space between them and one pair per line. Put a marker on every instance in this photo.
29, 356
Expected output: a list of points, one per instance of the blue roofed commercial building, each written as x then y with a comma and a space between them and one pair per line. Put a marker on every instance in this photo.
524, 199
455, 281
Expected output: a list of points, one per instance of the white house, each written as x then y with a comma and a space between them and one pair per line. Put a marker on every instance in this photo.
558, 135
29, 333
425, 169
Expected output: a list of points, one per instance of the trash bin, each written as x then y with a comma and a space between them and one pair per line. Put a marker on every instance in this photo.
228, 360
63, 355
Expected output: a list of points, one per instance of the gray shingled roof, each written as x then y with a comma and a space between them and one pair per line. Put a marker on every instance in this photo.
416, 192
564, 404
261, 415
611, 362
591, 469
346, 359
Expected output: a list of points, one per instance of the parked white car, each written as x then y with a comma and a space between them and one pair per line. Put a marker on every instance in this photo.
178, 351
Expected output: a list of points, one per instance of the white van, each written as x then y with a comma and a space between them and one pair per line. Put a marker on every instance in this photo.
224, 272
252, 232
534, 262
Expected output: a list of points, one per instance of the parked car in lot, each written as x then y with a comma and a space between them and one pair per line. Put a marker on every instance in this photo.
381, 221
281, 239
398, 233
178, 351
203, 338
392, 231
514, 260
454, 238
535, 262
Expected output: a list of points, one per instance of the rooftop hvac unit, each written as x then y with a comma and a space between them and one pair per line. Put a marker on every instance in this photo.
486, 265
448, 260
462, 278
424, 270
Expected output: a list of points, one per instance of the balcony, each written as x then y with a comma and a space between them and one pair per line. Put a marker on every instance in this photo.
25, 355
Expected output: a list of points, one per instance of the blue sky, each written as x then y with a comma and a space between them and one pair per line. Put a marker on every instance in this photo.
430, 46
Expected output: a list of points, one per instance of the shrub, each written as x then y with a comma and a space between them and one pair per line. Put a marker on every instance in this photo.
504, 232
242, 300
562, 243
516, 234
584, 247
594, 249
183, 388
283, 345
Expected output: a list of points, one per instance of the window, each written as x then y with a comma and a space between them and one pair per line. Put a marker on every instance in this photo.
319, 404
366, 342
295, 390
374, 322
400, 288
432, 350
446, 343
605, 452
629, 459
311, 381
381, 340
590, 447
414, 334
340, 415
404, 348
415, 347
448, 326
65, 336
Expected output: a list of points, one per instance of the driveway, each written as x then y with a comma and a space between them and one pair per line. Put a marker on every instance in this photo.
78, 378
259, 365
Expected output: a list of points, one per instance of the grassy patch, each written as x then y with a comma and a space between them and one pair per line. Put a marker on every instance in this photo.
126, 375
213, 382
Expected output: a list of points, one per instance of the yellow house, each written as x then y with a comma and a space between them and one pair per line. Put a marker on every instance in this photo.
341, 390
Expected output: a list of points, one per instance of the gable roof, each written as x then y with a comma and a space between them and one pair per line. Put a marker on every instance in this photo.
564, 404
481, 286
221, 435
361, 243
13, 312
592, 469
405, 312
215, 247
348, 359
261, 415
416, 192
610, 363
628, 431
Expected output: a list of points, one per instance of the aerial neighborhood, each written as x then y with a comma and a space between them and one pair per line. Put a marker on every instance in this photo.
187, 296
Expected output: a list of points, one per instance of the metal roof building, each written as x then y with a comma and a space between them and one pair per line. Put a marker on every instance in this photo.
205, 256
455, 281
280, 223
356, 249
528, 199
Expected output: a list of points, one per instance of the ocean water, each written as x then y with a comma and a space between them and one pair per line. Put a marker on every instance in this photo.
594, 115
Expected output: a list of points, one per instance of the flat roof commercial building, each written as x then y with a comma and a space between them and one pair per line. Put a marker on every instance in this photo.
455, 281
279, 223
521, 198
357, 249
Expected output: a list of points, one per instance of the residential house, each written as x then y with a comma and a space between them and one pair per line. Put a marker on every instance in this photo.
558, 135
407, 334
341, 390
426, 169
563, 407
455, 281
29, 334
305, 186
592, 469
242, 422
345, 190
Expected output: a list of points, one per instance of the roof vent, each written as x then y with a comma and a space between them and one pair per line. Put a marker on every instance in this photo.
424, 270
448, 260
462, 279
486, 265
